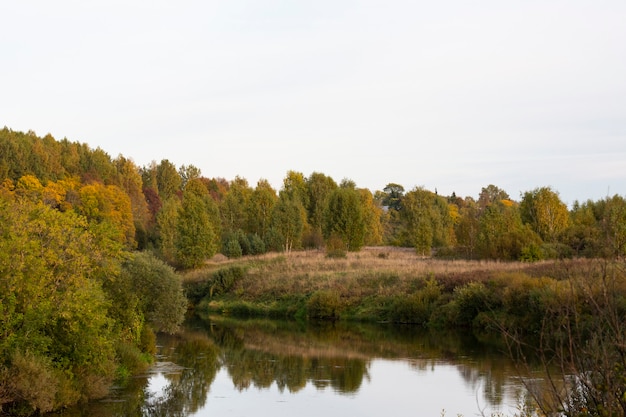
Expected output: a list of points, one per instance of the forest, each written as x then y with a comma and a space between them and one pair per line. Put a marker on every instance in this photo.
91, 248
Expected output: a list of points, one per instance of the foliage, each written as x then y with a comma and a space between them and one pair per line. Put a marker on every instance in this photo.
54, 325
324, 305
545, 212
157, 289
196, 238
344, 217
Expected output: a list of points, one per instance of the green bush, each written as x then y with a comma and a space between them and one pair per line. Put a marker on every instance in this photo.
470, 300
232, 248
257, 246
324, 305
418, 307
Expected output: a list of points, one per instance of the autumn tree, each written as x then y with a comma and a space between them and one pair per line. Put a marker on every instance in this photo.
56, 338
491, 194
259, 209
344, 218
544, 211
234, 204
502, 235
392, 196
108, 208
167, 229
372, 215
188, 173
288, 220
168, 179
611, 218
319, 188
467, 227
130, 181
426, 220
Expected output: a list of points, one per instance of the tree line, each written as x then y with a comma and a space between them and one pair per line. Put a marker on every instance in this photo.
186, 218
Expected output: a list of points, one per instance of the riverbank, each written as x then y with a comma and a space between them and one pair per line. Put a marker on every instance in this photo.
387, 285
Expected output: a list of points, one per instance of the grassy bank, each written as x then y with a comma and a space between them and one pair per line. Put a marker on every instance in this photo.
386, 285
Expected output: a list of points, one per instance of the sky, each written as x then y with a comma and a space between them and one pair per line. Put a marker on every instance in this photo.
447, 95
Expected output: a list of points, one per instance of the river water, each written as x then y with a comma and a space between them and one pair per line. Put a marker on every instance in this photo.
224, 367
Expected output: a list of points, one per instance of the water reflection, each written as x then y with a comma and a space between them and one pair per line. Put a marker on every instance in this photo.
287, 360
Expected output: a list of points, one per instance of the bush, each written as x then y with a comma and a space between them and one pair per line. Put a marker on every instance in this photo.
158, 289
324, 305
470, 300
416, 308
336, 248
232, 248
257, 246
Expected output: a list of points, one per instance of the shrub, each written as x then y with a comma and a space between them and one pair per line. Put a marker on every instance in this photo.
418, 307
224, 280
232, 248
257, 246
335, 247
324, 305
470, 300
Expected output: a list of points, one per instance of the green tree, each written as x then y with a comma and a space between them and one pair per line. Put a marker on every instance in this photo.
502, 235
320, 187
56, 338
167, 229
131, 182
344, 218
234, 204
611, 215
158, 289
392, 196
168, 179
545, 212
188, 173
196, 238
426, 220
491, 195
288, 219
260, 207
467, 227
372, 215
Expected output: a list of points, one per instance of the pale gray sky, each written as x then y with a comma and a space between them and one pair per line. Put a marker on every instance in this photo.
450, 94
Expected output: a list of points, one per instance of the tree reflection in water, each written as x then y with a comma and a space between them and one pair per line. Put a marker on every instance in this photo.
292, 356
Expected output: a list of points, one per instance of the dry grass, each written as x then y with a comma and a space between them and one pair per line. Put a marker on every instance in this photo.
376, 271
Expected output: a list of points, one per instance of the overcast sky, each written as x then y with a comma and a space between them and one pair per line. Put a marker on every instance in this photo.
450, 95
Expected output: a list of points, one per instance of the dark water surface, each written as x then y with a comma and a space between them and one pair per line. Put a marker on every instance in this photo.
225, 367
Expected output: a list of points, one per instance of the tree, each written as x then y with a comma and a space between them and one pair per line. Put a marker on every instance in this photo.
611, 215
393, 194
108, 208
187, 173
234, 204
158, 289
288, 220
56, 337
491, 195
131, 182
196, 238
502, 235
545, 212
417, 219
372, 215
295, 188
168, 179
344, 218
467, 227
167, 229
260, 207
320, 187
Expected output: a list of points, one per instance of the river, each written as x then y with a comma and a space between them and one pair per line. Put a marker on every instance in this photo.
224, 367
